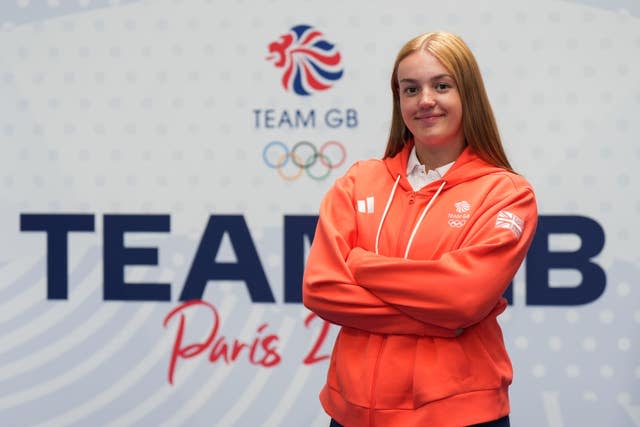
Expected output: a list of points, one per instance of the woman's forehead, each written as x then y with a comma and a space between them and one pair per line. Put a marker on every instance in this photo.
421, 65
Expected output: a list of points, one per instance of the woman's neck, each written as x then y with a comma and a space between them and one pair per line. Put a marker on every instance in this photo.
434, 156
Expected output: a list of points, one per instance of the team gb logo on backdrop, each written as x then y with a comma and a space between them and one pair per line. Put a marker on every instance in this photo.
308, 61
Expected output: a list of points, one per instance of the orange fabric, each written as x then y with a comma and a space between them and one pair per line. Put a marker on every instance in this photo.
419, 343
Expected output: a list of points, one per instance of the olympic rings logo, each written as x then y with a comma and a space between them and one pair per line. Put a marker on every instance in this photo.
304, 157
455, 223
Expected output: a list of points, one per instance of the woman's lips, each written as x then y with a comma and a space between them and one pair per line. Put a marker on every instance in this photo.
428, 117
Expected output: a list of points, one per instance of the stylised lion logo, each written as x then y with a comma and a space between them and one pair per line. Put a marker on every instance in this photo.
310, 62
462, 206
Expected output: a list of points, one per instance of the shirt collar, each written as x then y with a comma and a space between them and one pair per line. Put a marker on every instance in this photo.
414, 165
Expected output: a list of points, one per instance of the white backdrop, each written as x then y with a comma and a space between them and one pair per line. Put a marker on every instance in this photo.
151, 108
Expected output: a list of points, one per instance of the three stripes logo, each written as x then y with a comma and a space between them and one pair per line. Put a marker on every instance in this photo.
365, 205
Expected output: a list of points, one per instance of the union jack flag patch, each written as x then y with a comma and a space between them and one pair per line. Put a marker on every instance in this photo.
511, 222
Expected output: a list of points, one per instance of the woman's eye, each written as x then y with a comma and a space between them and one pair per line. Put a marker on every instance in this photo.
410, 90
442, 87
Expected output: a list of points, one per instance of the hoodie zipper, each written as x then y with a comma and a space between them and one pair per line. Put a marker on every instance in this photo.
411, 201
407, 218
374, 381
421, 217
376, 368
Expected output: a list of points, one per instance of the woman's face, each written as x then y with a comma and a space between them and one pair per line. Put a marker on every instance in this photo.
430, 102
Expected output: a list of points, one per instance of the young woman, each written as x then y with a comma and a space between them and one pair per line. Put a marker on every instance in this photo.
413, 252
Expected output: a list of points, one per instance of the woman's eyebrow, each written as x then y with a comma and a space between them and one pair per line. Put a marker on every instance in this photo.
408, 80
438, 77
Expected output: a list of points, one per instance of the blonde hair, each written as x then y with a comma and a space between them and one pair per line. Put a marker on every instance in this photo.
478, 123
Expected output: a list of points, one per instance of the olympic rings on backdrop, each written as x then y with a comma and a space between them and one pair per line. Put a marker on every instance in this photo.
305, 157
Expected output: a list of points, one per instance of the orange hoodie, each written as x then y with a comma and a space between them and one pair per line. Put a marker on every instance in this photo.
416, 279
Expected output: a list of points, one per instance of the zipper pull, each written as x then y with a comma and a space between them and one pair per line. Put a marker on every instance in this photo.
412, 197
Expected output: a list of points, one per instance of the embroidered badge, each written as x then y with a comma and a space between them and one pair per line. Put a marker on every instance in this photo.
462, 206
511, 222
460, 217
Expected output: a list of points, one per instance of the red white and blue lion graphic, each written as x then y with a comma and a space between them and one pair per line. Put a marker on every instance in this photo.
310, 63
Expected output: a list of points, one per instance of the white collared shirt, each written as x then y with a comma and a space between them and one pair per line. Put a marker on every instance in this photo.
417, 174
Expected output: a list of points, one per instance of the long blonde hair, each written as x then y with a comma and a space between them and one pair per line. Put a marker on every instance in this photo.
478, 123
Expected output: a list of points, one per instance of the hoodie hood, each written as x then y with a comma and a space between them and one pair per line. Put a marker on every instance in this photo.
468, 166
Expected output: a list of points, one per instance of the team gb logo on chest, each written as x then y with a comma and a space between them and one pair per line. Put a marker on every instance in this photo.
459, 218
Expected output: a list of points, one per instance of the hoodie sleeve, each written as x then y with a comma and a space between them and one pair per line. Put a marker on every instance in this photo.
329, 288
462, 286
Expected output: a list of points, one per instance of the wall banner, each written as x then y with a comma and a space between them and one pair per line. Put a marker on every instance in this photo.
162, 164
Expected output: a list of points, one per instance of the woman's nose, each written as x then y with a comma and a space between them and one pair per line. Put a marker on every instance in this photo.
427, 99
